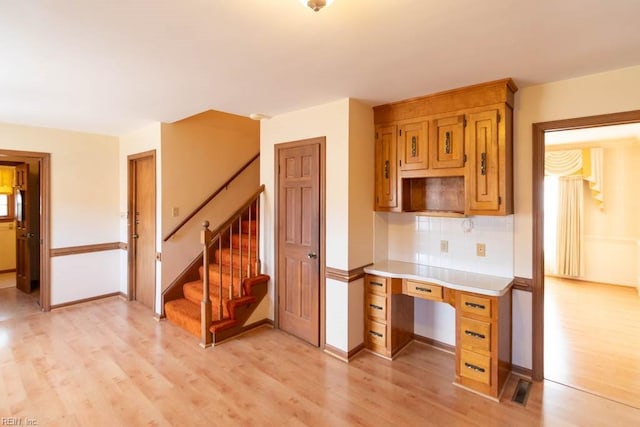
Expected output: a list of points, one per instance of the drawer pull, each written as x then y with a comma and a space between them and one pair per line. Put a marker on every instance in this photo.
474, 305
473, 367
376, 284
423, 289
474, 334
376, 307
376, 334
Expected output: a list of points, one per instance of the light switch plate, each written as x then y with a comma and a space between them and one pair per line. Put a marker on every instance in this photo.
444, 246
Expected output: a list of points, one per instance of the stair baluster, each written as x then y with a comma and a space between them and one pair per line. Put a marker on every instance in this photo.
258, 266
240, 266
205, 306
220, 293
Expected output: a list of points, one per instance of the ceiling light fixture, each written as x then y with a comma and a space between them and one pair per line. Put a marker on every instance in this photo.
316, 5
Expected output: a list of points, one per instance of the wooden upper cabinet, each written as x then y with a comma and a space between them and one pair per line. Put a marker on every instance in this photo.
447, 154
386, 179
486, 149
448, 142
413, 146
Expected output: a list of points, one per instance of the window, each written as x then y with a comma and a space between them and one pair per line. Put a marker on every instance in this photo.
6, 206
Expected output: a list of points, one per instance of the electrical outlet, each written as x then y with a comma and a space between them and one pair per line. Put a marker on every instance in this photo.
481, 249
175, 212
444, 246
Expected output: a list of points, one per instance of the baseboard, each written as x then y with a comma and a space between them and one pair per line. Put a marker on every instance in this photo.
235, 333
435, 343
522, 372
80, 301
123, 296
341, 354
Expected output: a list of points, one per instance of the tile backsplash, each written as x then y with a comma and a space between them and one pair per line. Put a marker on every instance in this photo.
415, 238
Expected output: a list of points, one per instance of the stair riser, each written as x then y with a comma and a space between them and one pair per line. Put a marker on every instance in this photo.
225, 259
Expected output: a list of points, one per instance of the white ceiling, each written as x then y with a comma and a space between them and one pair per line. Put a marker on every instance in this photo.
111, 66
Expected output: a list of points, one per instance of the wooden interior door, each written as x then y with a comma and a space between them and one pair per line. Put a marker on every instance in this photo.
299, 241
23, 232
142, 229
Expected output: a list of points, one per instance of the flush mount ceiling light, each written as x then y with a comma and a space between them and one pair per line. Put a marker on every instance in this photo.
316, 5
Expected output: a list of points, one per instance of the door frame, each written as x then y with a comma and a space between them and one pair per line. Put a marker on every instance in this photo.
321, 141
44, 162
538, 145
131, 261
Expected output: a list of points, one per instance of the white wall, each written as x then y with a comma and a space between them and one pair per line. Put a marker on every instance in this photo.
603, 93
84, 200
139, 141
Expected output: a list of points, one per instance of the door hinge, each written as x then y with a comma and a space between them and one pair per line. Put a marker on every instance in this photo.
499, 200
400, 163
400, 132
464, 158
499, 118
464, 122
376, 135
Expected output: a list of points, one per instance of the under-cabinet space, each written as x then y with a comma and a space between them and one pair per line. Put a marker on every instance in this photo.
435, 195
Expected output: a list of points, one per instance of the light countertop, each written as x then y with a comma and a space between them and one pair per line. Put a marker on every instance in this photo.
453, 279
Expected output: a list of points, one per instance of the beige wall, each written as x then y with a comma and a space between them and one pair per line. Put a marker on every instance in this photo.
199, 154
7, 245
610, 234
348, 128
608, 92
84, 203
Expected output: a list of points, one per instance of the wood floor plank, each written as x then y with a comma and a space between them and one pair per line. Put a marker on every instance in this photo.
592, 338
107, 362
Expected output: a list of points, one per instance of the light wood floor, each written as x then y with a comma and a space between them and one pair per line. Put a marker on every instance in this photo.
107, 363
592, 338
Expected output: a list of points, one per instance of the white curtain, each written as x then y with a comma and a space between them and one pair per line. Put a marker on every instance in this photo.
550, 224
570, 226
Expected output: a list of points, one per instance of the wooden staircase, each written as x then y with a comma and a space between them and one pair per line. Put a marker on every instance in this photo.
218, 304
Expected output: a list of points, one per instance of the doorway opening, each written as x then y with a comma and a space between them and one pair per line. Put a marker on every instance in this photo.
24, 233
586, 305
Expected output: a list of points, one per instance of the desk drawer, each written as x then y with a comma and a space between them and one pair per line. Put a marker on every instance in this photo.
375, 284
475, 366
475, 335
473, 304
376, 335
423, 290
376, 307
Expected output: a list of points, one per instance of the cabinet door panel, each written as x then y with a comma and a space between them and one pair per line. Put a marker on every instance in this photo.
386, 173
413, 146
484, 157
448, 142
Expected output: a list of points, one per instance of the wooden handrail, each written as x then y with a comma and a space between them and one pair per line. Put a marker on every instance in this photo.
210, 198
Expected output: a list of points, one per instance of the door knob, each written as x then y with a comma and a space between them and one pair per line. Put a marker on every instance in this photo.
312, 255
134, 236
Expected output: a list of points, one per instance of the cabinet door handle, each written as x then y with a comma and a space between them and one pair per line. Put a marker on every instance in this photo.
386, 169
473, 367
447, 142
375, 334
375, 307
414, 146
483, 164
474, 305
423, 289
474, 334
376, 284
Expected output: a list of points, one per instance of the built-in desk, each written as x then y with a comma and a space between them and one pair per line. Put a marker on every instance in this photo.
483, 317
